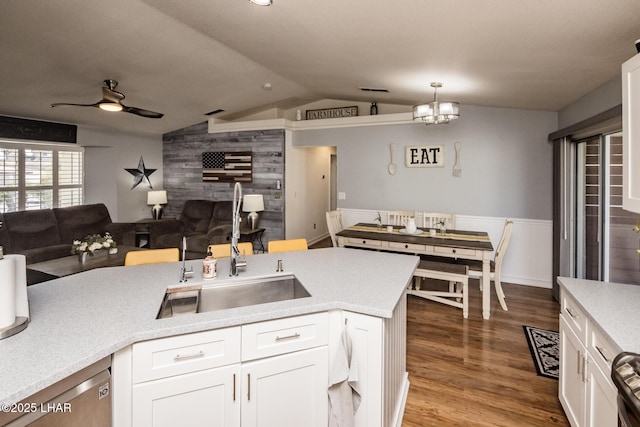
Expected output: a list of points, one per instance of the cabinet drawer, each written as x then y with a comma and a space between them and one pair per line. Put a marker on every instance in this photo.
284, 335
438, 250
185, 353
574, 316
364, 242
601, 349
407, 247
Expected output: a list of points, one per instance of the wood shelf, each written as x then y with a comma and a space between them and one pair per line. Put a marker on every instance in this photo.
216, 125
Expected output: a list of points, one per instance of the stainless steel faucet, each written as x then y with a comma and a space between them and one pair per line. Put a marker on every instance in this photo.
235, 234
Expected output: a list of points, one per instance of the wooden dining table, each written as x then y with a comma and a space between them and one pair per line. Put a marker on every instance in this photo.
462, 244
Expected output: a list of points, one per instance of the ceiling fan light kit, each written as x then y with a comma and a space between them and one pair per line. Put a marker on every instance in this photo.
112, 101
435, 112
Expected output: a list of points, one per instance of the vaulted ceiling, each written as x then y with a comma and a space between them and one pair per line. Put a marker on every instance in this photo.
187, 58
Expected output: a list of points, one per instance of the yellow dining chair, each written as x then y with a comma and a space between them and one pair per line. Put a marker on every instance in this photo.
287, 245
152, 256
223, 250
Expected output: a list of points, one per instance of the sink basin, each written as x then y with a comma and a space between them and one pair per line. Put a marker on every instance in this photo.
190, 300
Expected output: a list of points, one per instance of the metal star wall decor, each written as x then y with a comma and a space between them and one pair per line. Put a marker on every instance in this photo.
141, 174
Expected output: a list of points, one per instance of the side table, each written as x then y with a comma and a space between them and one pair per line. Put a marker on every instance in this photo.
143, 234
253, 236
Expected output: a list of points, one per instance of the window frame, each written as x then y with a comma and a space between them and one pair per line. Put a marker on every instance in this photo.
22, 188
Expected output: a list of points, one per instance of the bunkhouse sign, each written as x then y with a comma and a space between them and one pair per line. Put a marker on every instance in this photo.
332, 113
424, 156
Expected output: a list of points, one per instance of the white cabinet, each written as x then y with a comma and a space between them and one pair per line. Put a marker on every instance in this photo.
379, 351
288, 390
189, 400
266, 374
586, 391
631, 134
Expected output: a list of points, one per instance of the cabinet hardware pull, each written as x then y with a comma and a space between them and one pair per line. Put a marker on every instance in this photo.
364, 242
585, 375
288, 337
248, 386
234, 387
406, 246
571, 313
602, 353
188, 356
579, 363
454, 251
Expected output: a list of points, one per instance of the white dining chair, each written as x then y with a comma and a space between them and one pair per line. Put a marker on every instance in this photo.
398, 217
334, 224
434, 219
475, 267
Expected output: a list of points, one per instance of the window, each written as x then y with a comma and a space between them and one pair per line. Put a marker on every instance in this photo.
39, 176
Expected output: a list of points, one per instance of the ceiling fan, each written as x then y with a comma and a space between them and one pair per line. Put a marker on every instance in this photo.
111, 101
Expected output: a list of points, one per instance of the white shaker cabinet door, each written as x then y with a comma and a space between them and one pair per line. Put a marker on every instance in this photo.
286, 391
572, 392
209, 397
602, 405
631, 134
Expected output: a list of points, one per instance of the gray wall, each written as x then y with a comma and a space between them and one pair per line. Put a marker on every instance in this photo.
506, 164
601, 99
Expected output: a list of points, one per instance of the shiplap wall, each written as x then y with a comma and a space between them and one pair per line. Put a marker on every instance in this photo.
182, 164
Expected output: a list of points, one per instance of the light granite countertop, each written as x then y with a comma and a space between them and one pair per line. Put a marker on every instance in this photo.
79, 319
611, 306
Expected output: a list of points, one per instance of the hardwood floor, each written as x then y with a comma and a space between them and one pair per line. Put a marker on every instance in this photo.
475, 372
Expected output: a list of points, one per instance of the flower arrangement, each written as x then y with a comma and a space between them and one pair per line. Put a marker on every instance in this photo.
378, 219
93, 243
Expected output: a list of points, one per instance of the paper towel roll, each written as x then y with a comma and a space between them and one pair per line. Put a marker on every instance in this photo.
7, 292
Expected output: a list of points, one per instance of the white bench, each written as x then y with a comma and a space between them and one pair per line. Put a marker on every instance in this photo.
458, 296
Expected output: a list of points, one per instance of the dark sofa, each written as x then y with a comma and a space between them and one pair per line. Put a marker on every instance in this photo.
202, 222
46, 234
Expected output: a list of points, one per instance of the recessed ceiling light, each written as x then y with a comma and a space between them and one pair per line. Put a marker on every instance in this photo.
261, 2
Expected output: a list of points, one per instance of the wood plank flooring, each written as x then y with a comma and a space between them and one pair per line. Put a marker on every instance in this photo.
475, 372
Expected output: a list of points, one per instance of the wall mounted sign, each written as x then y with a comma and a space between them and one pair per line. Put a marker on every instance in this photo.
332, 113
141, 174
227, 167
424, 156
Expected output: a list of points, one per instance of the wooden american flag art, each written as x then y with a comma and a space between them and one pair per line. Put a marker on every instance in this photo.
227, 167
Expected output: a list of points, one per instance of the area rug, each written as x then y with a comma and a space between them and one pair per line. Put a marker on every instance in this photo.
544, 347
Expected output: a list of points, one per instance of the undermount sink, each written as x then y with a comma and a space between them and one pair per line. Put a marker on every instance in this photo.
201, 299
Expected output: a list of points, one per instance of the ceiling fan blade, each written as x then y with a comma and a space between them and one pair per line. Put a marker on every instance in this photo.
143, 113
59, 104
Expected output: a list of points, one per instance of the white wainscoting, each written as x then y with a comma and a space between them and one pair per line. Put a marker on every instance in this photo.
528, 260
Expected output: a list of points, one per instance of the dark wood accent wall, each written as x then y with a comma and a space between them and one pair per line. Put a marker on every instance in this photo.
182, 163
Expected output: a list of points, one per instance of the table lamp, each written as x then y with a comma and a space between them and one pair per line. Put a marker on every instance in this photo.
157, 199
253, 203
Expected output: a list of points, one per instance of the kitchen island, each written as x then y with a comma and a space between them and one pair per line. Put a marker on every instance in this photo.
80, 319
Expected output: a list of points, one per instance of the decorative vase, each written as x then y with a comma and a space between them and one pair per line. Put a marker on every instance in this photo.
373, 110
82, 257
443, 230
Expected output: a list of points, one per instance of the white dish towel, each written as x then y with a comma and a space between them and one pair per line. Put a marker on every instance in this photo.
344, 392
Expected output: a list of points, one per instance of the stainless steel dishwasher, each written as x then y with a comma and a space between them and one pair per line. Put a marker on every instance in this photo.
82, 399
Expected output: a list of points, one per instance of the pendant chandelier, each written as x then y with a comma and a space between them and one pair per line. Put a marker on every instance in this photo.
433, 113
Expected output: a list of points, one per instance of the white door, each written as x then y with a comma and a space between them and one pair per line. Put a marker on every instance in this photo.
631, 134
209, 397
572, 390
286, 391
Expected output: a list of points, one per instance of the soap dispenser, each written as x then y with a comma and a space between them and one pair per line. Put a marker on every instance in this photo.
209, 267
